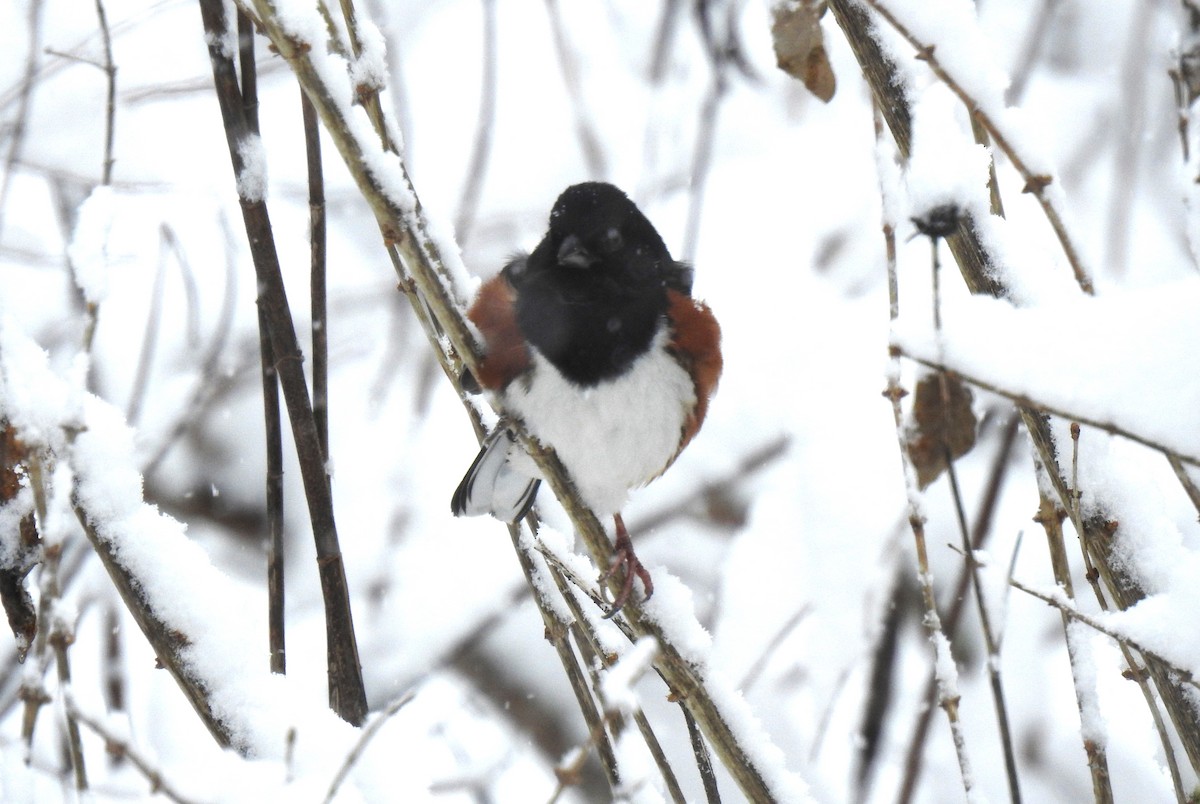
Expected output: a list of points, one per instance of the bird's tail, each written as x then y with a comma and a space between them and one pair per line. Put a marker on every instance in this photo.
493, 485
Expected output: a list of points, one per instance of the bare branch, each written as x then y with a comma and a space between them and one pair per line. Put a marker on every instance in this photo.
119, 747
1042, 408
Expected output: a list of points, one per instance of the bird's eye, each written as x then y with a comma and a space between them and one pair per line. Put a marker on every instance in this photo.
611, 241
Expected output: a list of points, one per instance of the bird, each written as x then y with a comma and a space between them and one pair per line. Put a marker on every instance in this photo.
594, 342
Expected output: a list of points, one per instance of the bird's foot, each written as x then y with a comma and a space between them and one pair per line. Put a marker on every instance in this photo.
626, 560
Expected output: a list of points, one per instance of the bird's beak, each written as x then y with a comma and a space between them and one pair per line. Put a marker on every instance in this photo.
572, 253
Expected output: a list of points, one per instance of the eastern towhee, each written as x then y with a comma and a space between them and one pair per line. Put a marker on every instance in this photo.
595, 342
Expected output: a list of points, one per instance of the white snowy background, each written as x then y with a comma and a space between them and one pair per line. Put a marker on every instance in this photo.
786, 517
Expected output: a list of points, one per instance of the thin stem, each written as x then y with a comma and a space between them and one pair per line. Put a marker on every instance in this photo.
989, 634
985, 620
485, 126
948, 697
556, 633
1053, 410
318, 247
1185, 480
141, 375
583, 630
24, 102
347, 695
706, 136
983, 525
360, 746
110, 98
120, 747
585, 130
208, 384
1085, 693
708, 777
1088, 542
1066, 607
60, 638
273, 435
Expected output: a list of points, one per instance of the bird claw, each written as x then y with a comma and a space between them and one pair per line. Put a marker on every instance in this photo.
625, 559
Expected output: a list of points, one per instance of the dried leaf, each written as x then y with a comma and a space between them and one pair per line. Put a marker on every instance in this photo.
800, 46
19, 608
943, 422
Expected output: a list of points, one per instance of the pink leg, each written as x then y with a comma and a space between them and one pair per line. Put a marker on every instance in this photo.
625, 559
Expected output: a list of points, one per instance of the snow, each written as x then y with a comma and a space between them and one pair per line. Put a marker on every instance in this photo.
776, 579
944, 169
1005, 347
616, 685
1083, 667
89, 243
252, 179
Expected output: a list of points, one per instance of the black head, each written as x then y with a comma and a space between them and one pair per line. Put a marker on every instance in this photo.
593, 293
595, 226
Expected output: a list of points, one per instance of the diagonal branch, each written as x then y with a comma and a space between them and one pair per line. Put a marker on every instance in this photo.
435, 291
1028, 402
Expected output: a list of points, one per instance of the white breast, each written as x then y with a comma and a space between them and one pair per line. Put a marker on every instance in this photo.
613, 436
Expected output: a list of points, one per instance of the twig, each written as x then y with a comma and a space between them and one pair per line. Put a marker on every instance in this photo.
556, 633
976, 264
110, 98
750, 463
660, 756
948, 697
983, 523
368, 733
723, 57
989, 637
120, 747
91, 307
709, 779
1034, 182
760, 663
273, 500
114, 658
1093, 576
24, 101
584, 632
1053, 410
61, 637
169, 642
347, 695
1066, 607
664, 39
1085, 694
1035, 36
985, 618
141, 375
485, 126
585, 130
1131, 100
208, 384
1185, 480
54, 635
33, 691
272, 424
